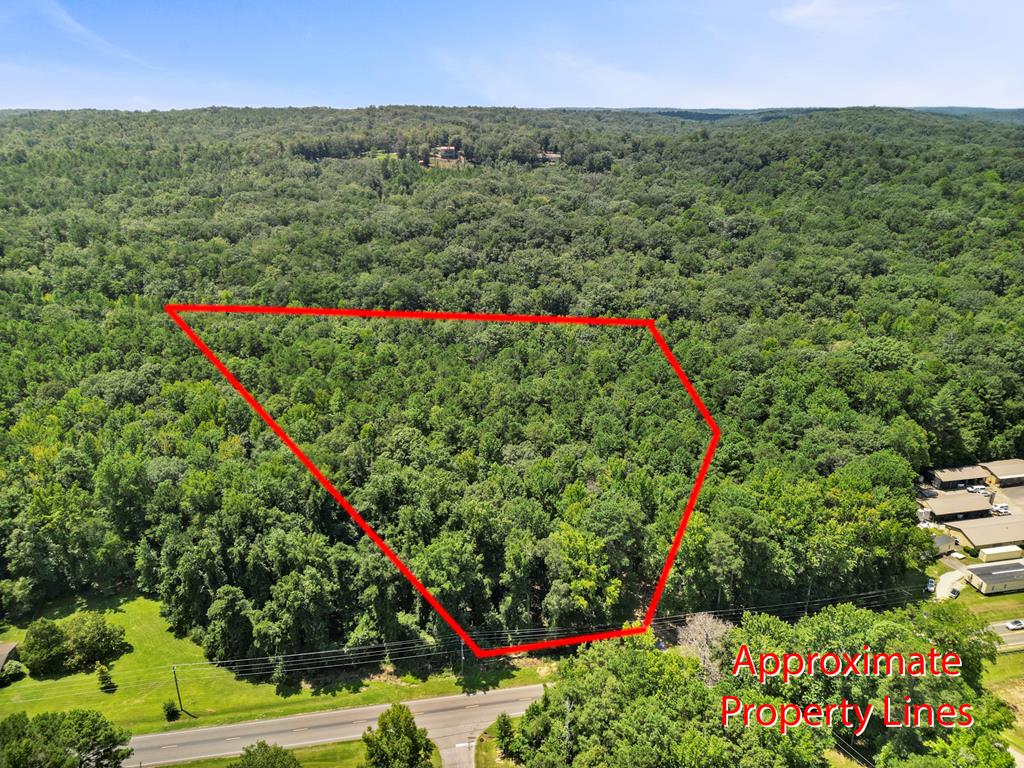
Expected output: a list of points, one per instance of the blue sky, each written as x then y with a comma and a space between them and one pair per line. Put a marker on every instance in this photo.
688, 53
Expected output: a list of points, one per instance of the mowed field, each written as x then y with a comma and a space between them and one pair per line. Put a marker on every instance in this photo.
994, 607
214, 695
345, 754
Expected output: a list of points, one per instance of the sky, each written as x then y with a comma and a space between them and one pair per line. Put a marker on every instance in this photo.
145, 55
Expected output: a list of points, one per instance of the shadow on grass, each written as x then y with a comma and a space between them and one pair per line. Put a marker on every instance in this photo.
99, 602
88, 667
484, 675
474, 676
324, 684
349, 681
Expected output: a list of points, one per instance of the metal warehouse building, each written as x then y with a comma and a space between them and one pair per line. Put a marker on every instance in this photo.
958, 506
1007, 473
989, 531
958, 477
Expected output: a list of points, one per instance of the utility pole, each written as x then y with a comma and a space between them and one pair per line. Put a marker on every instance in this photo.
174, 671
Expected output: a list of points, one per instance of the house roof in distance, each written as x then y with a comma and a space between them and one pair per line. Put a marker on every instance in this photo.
5, 651
959, 474
1005, 468
991, 531
957, 503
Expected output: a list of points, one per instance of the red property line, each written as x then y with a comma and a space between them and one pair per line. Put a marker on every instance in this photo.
174, 310
401, 314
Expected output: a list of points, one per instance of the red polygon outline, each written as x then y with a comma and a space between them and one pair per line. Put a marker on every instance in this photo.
174, 310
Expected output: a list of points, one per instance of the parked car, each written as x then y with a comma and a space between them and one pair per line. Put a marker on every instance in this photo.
1001, 508
954, 593
930, 586
977, 489
1015, 625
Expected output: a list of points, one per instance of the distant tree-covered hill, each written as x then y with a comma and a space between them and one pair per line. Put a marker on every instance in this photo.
843, 286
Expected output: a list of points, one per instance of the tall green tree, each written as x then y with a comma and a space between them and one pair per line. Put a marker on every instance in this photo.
78, 738
397, 742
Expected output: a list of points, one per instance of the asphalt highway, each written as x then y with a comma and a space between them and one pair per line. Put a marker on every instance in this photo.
453, 722
1008, 637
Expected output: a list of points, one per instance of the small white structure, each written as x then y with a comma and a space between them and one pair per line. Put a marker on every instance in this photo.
995, 554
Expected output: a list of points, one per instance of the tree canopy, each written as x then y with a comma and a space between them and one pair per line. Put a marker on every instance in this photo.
842, 286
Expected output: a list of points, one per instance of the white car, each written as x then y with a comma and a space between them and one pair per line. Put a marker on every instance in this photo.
1004, 508
977, 489
1015, 625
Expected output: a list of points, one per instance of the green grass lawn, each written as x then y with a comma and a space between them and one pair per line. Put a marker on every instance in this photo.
342, 754
487, 748
936, 569
214, 695
994, 607
836, 760
990, 607
1005, 678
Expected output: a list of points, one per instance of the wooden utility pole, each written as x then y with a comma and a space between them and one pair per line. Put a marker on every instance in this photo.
174, 671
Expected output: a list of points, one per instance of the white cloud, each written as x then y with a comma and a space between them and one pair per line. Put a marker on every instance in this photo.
57, 15
829, 14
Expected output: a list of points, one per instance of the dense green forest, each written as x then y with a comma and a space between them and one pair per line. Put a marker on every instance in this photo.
843, 287
625, 704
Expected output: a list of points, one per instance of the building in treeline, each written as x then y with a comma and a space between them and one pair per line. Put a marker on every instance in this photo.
1006, 473
958, 477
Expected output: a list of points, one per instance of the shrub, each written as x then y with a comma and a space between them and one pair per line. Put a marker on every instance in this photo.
78, 643
263, 755
44, 649
107, 684
92, 639
171, 712
12, 671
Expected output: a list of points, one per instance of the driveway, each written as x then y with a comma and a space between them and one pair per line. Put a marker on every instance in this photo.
950, 579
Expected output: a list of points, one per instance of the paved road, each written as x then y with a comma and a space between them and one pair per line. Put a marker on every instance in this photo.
453, 722
1009, 638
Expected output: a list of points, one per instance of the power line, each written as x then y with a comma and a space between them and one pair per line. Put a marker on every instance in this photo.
851, 752
405, 650
870, 598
